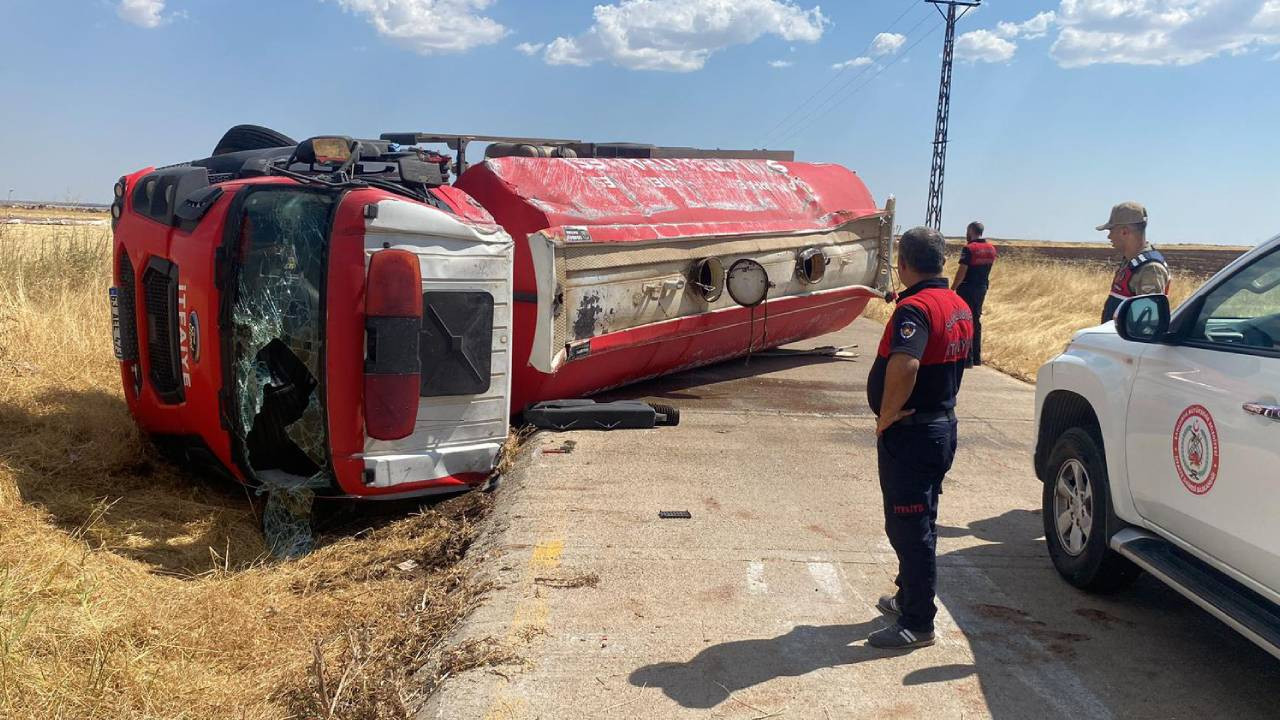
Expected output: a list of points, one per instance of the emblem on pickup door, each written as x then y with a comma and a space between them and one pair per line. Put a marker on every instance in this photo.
1195, 449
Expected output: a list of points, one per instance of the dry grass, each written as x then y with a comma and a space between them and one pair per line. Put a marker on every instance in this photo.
1033, 309
130, 590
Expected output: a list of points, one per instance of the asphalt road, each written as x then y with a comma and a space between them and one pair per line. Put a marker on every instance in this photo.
759, 605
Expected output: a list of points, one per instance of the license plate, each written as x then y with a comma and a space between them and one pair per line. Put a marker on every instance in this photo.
114, 293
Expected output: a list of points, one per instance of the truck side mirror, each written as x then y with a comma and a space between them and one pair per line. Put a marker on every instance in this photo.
1143, 319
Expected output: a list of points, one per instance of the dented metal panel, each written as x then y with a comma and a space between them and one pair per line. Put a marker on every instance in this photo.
607, 288
694, 196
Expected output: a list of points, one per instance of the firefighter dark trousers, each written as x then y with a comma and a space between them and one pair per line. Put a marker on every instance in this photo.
913, 460
974, 296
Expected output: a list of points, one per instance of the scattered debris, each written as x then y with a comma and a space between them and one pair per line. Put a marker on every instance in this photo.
286, 519
565, 448
476, 653
572, 581
407, 565
675, 515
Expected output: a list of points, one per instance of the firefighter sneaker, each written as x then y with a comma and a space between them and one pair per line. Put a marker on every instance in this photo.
888, 605
896, 637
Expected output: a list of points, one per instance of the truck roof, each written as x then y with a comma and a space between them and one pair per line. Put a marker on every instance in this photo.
632, 200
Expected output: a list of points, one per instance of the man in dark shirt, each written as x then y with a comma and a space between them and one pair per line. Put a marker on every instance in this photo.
970, 284
912, 390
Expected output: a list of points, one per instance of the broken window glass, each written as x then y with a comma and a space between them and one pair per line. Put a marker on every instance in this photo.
278, 334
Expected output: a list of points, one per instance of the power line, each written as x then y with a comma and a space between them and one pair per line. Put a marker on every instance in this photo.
910, 6
833, 97
829, 98
937, 170
806, 122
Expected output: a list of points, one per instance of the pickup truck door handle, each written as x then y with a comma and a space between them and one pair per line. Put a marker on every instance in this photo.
1266, 411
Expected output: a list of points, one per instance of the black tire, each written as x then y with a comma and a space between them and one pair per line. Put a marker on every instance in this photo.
251, 137
1080, 552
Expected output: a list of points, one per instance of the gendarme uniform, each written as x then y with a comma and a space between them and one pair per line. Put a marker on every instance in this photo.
934, 325
1146, 274
978, 256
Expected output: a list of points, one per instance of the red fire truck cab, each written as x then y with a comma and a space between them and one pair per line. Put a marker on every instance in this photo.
337, 315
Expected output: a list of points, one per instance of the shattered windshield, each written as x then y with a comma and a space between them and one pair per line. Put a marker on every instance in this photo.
278, 334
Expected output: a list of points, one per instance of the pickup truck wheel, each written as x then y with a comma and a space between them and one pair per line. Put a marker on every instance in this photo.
1076, 502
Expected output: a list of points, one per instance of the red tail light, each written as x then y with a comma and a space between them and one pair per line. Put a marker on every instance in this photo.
393, 321
395, 285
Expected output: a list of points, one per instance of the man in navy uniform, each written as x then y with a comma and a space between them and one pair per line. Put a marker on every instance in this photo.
972, 276
912, 390
1144, 271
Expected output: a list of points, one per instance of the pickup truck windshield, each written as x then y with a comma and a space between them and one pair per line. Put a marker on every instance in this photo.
277, 336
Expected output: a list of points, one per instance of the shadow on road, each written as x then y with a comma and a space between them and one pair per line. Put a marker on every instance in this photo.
700, 383
709, 677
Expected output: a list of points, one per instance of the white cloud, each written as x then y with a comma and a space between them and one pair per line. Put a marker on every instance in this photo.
143, 13
1036, 27
887, 44
1268, 18
430, 26
984, 46
530, 49
856, 62
1162, 32
780, 63
680, 35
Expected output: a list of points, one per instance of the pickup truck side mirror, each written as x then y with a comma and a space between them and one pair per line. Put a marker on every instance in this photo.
1143, 319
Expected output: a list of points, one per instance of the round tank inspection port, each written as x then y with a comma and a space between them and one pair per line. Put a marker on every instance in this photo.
811, 265
748, 282
708, 278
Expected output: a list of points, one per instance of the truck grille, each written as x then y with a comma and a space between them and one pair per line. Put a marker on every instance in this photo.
127, 298
160, 295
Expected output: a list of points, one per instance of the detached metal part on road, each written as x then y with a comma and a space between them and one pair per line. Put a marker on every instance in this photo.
759, 605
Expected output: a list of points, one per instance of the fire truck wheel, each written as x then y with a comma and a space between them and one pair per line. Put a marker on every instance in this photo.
1076, 505
251, 137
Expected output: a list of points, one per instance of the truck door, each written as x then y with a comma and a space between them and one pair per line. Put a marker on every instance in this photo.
1204, 429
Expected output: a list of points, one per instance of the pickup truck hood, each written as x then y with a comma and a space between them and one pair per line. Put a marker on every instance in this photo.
1106, 328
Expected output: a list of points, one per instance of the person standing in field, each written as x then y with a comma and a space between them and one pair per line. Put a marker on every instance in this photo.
1144, 271
912, 390
971, 279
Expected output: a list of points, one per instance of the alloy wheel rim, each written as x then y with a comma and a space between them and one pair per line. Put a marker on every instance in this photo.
1073, 506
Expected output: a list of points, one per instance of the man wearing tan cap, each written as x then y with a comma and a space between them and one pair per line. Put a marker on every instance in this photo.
1144, 271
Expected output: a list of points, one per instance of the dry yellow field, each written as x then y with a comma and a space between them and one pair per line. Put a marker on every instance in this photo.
45, 212
131, 590
1033, 308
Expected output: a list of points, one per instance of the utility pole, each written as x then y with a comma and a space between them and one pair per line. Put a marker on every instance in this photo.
933, 215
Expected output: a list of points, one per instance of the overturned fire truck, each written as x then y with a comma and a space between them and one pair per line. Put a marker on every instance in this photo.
361, 317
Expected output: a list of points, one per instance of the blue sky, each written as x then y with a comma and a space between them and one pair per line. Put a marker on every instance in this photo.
1061, 107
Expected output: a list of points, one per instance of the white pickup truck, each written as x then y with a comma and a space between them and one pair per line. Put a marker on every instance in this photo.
1159, 447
